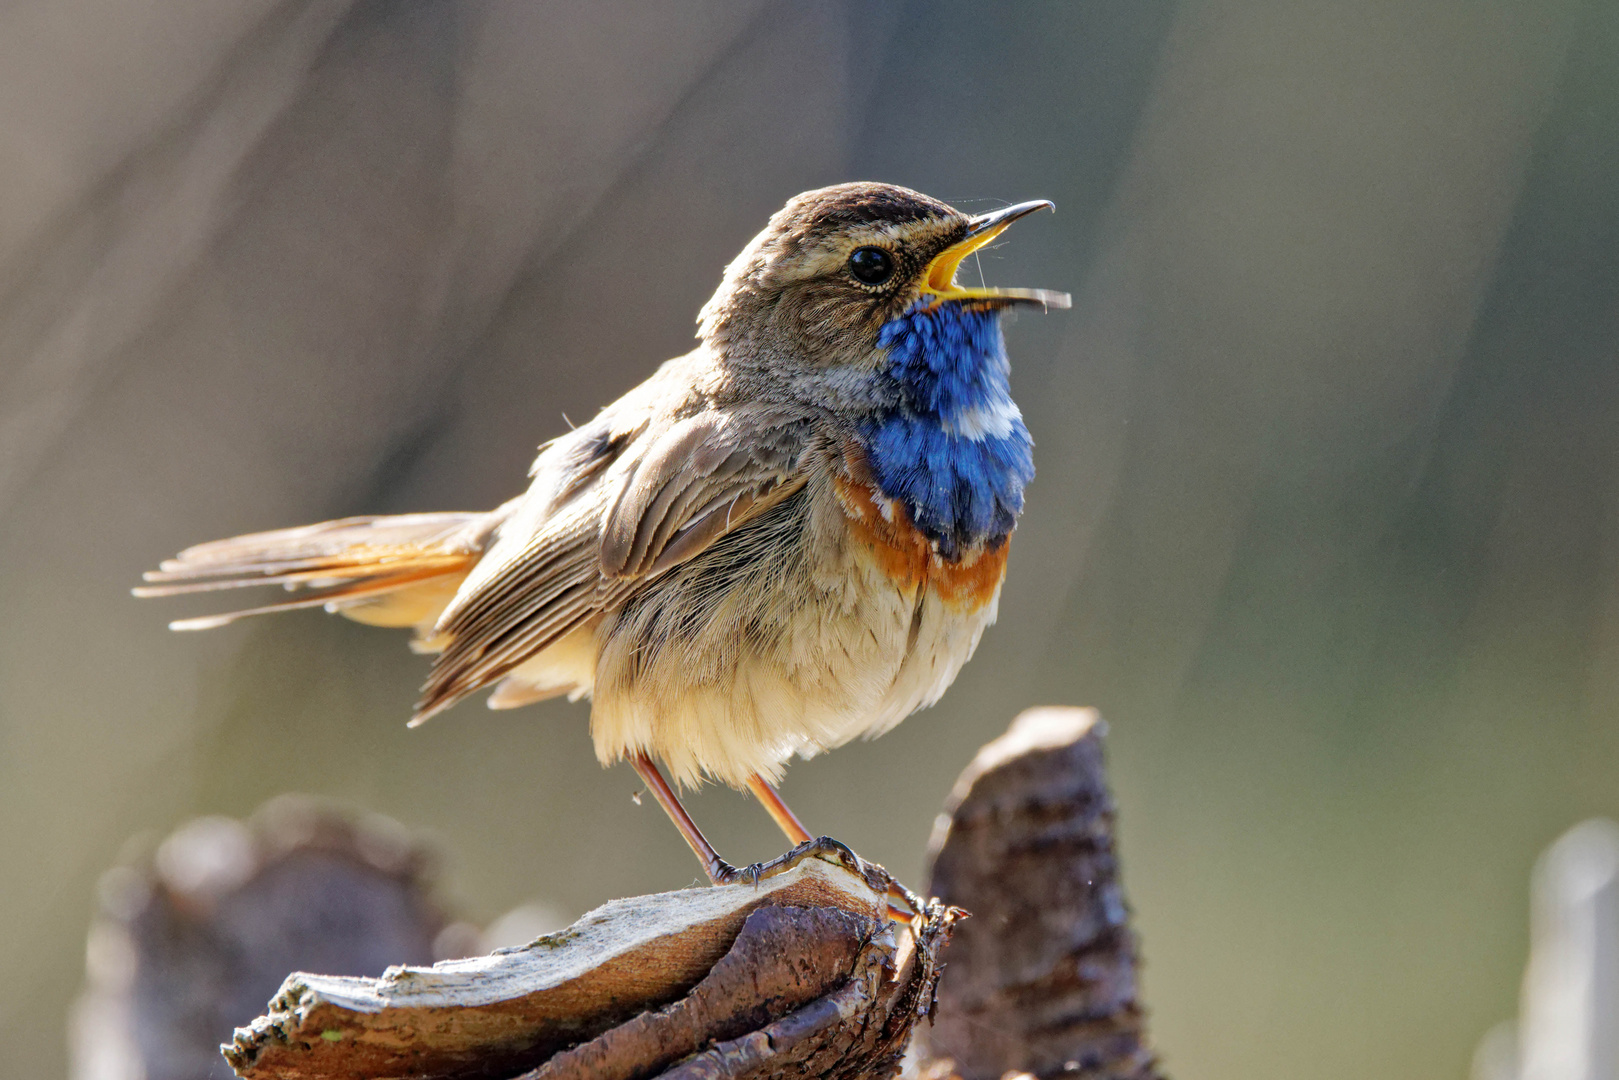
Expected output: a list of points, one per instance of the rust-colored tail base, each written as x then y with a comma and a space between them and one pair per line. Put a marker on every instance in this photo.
385, 571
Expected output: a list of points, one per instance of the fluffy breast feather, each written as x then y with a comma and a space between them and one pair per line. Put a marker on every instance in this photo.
812, 625
953, 450
883, 527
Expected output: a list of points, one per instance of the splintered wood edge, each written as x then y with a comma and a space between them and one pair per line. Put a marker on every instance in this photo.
1044, 727
622, 957
1047, 727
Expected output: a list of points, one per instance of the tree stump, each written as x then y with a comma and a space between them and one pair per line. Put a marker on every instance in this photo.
195, 936
804, 971
1043, 978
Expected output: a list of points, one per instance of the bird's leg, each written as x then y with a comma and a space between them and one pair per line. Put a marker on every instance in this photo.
718, 870
779, 811
902, 903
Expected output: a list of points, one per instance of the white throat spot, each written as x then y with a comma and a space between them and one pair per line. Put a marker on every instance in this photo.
989, 420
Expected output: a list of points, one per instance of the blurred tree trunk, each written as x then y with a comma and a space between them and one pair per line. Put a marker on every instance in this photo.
1043, 978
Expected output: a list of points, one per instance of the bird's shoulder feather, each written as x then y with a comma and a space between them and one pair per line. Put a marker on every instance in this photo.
651, 482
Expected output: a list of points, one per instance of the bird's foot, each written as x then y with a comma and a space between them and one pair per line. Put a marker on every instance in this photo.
903, 904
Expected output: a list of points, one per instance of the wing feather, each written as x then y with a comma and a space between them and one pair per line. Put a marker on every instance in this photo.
579, 547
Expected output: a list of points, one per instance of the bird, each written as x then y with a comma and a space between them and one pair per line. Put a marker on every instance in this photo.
791, 536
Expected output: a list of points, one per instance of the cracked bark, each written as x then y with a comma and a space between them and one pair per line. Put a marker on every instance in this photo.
1043, 978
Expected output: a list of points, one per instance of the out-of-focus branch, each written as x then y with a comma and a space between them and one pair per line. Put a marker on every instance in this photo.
1568, 1024
1042, 978
195, 937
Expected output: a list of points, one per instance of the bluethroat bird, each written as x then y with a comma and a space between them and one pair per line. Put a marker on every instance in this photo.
790, 536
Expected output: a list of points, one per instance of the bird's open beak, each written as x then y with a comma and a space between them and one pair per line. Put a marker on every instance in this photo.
939, 284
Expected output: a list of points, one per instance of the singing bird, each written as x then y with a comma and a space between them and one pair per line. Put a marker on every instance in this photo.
790, 536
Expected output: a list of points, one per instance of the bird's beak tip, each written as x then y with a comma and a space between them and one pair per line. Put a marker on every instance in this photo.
940, 282
1000, 219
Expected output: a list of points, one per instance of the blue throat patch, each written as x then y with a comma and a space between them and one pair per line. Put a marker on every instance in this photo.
955, 451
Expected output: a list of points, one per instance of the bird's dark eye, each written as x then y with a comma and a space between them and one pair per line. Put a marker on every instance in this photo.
872, 265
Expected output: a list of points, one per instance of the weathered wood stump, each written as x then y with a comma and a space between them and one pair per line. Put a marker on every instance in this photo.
1043, 978
802, 972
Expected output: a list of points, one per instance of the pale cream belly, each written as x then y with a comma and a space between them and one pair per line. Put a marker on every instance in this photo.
733, 702
792, 638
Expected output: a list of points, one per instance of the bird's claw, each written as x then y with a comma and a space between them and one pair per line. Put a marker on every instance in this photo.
903, 904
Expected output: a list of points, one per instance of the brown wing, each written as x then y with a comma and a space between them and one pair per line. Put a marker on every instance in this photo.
578, 548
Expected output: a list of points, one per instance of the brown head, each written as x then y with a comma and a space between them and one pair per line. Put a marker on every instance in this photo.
835, 264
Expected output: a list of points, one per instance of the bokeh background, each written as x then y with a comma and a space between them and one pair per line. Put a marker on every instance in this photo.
1326, 523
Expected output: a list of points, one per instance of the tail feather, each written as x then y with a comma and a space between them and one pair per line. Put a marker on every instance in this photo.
308, 546
331, 570
333, 599
372, 568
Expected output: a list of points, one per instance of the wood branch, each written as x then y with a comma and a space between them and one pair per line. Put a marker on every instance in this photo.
802, 969
1042, 978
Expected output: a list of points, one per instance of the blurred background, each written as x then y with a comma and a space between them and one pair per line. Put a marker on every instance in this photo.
1327, 515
